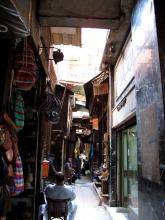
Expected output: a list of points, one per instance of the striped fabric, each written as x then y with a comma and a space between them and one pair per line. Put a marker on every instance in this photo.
18, 176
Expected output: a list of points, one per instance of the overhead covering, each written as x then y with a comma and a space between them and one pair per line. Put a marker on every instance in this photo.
96, 86
66, 36
78, 13
14, 17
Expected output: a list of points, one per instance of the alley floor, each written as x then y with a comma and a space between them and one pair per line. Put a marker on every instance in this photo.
88, 201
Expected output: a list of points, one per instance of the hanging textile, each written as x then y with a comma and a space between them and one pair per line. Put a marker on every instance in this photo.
18, 175
77, 147
17, 108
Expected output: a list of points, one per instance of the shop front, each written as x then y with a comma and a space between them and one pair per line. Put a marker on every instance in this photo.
128, 178
123, 153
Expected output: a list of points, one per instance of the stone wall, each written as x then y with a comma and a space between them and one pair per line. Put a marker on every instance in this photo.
149, 111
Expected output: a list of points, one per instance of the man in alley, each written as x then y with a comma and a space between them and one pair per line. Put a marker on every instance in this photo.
59, 191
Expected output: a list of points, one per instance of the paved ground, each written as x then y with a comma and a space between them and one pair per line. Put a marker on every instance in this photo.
88, 202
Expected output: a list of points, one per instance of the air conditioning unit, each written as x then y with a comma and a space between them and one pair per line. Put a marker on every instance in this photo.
72, 101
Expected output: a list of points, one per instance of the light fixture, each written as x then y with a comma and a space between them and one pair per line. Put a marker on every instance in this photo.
58, 56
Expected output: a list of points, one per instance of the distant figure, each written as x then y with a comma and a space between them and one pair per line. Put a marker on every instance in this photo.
85, 167
59, 191
78, 167
69, 173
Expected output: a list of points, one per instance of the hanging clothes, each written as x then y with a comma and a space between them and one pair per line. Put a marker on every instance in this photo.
77, 147
87, 149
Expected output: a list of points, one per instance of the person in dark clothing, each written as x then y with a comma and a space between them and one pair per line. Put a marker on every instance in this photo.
78, 167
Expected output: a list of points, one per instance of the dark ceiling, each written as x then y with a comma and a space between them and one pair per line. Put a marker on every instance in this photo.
78, 13
87, 13
110, 14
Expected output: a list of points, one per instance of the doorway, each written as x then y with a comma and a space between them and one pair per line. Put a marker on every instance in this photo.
129, 180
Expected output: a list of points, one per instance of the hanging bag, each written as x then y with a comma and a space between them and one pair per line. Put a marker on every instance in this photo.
24, 66
52, 106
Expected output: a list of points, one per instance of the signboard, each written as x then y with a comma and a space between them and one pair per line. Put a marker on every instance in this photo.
124, 109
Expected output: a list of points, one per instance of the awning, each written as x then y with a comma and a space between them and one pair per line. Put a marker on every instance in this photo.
14, 17
66, 36
100, 89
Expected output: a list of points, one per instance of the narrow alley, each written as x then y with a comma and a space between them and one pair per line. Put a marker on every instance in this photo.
88, 202
82, 104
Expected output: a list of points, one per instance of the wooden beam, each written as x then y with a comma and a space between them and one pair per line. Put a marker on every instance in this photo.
79, 22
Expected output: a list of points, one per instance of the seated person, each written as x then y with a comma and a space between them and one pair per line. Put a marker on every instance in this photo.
104, 173
101, 174
69, 172
59, 191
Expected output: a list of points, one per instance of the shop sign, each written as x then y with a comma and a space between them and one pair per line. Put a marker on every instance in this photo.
124, 109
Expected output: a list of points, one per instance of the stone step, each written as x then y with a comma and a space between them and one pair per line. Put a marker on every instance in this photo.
116, 213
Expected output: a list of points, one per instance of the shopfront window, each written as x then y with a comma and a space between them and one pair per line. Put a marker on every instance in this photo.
130, 182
